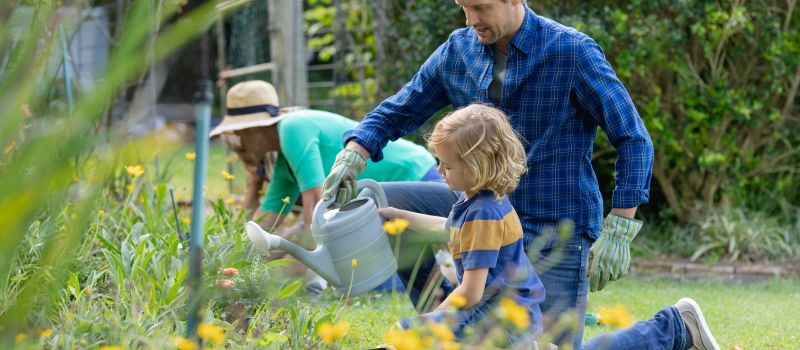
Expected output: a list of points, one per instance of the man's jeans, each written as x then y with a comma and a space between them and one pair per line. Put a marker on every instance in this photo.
666, 330
561, 268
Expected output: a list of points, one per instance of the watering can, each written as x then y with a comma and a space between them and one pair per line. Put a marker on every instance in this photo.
354, 231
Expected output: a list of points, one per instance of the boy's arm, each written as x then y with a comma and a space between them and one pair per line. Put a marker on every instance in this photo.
471, 288
416, 221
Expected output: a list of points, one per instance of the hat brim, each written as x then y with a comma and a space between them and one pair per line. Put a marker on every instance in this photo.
241, 122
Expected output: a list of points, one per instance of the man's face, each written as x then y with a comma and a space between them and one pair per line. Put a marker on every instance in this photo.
491, 19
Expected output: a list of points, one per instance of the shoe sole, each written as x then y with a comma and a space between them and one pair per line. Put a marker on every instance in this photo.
702, 323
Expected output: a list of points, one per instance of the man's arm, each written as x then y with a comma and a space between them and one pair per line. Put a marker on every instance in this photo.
602, 95
405, 111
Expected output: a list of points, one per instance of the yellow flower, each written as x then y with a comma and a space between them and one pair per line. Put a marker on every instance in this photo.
111, 347
10, 147
45, 332
262, 192
20, 337
183, 343
616, 316
74, 178
190, 155
395, 226
458, 301
450, 345
211, 333
400, 224
354, 262
518, 315
329, 332
186, 221
403, 340
229, 201
227, 176
286, 200
390, 227
135, 170
129, 187
101, 212
441, 331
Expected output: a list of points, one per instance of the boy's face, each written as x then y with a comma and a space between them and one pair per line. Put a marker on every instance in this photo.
455, 172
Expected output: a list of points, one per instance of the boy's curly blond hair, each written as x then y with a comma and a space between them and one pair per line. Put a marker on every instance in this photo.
483, 138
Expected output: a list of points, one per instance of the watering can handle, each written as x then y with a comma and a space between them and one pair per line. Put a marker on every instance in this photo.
318, 219
380, 196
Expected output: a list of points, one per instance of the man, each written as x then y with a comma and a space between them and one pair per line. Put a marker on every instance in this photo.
556, 86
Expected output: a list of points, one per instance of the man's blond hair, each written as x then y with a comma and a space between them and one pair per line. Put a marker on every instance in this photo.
485, 141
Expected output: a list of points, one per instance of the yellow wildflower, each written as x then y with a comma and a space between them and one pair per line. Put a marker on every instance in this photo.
395, 226
190, 155
129, 187
229, 201
111, 347
183, 343
518, 315
227, 176
354, 262
101, 212
232, 158
10, 147
211, 333
45, 332
20, 337
262, 192
329, 332
135, 170
390, 227
286, 200
441, 331
402, 339
400, 224
450, 345
458, 300
616, 316
186, 221
74, 178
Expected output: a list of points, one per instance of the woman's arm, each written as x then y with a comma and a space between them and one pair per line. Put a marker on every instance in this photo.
416, 221
471, 288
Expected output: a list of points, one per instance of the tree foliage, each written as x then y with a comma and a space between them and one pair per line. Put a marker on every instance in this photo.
716, 84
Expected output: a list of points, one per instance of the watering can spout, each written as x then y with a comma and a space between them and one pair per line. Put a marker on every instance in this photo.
319, 260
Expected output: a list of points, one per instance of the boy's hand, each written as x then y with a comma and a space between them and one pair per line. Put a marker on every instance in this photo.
610, 256
388, 213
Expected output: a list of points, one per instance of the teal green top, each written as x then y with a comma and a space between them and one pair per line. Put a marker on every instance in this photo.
311, 139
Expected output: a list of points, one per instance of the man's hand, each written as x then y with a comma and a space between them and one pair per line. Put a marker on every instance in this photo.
341, 182
610, 255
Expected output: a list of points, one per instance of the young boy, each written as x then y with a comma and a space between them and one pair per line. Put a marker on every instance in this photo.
480, 156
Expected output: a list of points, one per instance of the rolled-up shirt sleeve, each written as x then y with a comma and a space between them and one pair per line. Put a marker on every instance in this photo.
601, 94
405, 111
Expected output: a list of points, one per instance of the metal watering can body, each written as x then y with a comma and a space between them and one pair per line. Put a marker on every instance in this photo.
354, 231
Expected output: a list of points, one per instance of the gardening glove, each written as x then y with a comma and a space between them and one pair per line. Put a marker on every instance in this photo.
341, 182
610, 255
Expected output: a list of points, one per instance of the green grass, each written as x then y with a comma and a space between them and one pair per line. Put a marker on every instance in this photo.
762, 315
181, 171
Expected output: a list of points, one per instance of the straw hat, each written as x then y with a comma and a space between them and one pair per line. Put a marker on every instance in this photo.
250, 104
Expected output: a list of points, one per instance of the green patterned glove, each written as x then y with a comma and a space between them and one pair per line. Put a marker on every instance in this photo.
341, 182
610, 255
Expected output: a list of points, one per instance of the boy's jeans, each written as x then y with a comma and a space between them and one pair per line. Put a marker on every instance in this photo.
565, 283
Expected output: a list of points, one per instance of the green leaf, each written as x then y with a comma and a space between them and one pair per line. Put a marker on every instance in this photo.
289, 290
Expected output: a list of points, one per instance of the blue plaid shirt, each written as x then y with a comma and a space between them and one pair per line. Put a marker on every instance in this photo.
558, 88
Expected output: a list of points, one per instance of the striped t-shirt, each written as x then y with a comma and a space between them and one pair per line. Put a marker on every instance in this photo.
487, 233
